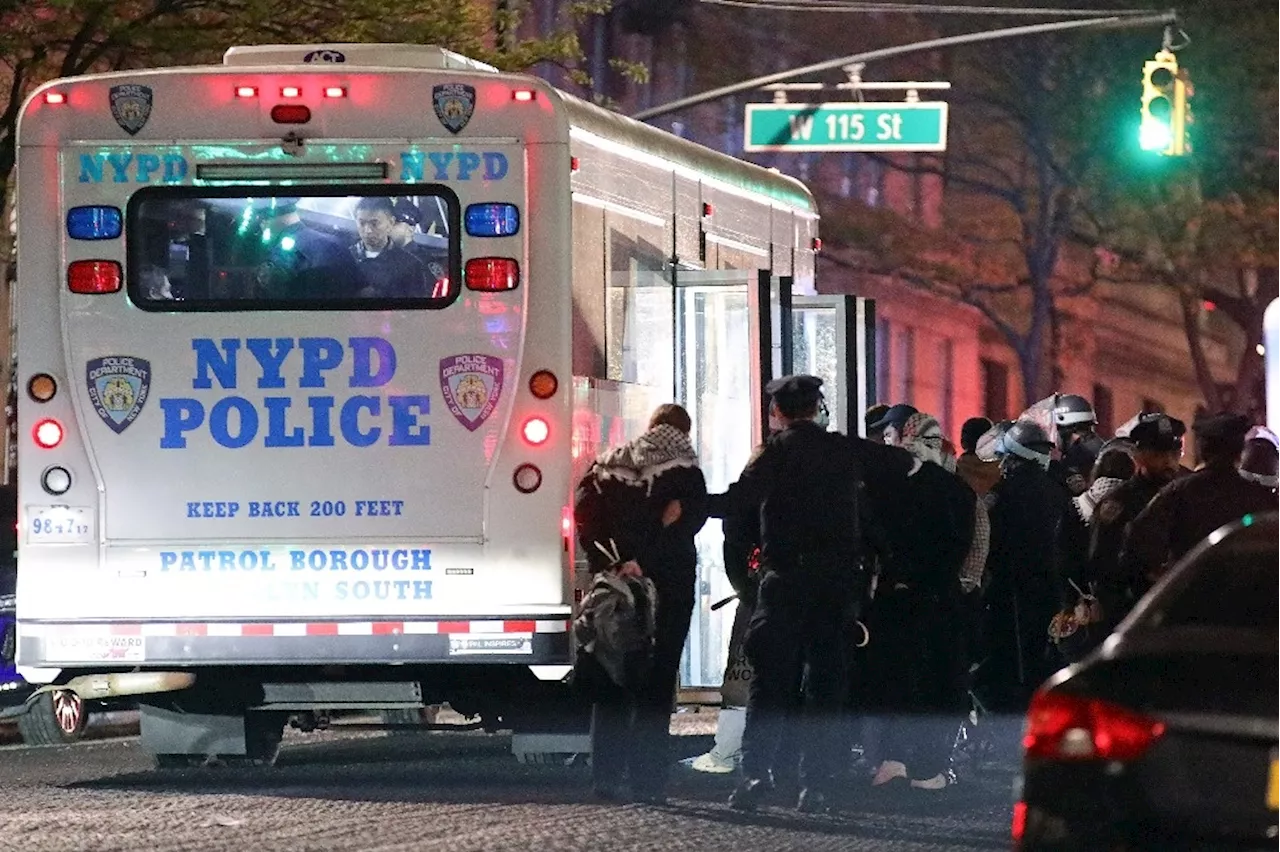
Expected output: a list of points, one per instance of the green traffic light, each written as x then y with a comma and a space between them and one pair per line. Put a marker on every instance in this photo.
1154, 136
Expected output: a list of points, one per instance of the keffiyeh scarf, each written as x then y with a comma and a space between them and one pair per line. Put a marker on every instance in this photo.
921, 436
642, 460
1087, 502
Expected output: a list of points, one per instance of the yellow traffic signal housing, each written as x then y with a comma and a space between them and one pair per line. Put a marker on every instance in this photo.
1160, 85
1182, 117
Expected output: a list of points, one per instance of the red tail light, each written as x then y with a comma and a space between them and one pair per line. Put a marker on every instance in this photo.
48, 433
94, 276
290, 114
1019, 820
492, 274
1067, 727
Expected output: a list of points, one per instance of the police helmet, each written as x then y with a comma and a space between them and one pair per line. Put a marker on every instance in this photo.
1025, 440
1072, 411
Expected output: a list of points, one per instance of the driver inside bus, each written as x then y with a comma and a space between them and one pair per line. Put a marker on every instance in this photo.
302, 263
385, 269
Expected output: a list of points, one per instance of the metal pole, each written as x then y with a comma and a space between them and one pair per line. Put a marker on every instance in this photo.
1110, 22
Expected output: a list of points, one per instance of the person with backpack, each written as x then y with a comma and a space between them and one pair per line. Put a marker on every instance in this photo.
637, 511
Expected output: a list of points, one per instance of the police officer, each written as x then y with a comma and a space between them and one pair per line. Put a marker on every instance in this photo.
1078, 443
803, 486
1186, 511
1157, 451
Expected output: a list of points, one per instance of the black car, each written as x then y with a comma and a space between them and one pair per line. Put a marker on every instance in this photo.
1166, 738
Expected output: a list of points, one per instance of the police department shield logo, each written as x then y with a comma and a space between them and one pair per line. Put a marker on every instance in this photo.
471, 385
118, 388
454, 103
131, 106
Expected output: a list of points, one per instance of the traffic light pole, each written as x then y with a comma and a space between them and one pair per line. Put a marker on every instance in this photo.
1112, 22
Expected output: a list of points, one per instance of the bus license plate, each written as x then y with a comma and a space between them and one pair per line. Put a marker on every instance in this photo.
58, 525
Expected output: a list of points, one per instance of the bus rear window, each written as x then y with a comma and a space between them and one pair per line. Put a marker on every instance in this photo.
314, 248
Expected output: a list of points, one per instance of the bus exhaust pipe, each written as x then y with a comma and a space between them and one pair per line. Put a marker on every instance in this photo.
97, 686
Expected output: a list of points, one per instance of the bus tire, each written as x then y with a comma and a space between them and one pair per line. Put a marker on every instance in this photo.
54, 718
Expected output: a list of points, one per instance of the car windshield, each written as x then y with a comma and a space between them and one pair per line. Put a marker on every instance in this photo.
1235, 584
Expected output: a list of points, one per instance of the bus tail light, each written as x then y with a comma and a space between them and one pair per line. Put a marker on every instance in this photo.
56, 480
41, 387
492, 220
94, 276
290, 113
527, 479
536, 430
48, 433
524, 95
492, 274
55, 98
246, 91
94, 222
291, 92
543, 384
335, 92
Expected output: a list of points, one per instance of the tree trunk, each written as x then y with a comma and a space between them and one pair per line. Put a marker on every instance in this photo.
1204, 376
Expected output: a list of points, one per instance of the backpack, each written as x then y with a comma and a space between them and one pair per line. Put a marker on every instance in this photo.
614, 632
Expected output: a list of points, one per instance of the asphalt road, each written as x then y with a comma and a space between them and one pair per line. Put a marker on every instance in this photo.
460, 792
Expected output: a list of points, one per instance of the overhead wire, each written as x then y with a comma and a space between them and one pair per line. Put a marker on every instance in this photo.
851, 6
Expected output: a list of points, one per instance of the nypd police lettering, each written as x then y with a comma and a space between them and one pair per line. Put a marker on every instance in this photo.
375, 508
125, 167
449, 166
317, 420
373, 559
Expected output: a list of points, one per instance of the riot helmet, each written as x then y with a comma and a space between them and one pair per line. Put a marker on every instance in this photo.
1025, 441
1073, 413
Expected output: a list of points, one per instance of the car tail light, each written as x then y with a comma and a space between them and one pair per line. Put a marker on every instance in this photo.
543, 384
492, 274
42, 387
1068, 727
94, 276
527, 479
1019, 820
290, 114
536, 430
48, 433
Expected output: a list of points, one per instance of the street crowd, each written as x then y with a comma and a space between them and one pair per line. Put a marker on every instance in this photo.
889, 586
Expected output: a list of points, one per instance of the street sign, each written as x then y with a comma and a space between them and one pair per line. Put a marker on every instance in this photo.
847, 127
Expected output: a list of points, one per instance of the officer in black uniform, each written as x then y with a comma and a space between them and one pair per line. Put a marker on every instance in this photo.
1157, 450
1186, 511
1078, 443
803, 487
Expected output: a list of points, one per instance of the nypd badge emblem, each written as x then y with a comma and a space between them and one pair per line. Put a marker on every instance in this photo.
118, 388
131, 106
454, 103
471, 385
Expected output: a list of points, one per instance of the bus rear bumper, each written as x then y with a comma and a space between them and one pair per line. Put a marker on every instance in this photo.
523, 641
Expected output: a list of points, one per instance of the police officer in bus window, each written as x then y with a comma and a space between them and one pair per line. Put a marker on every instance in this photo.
802, 488
302, 262
435, 263
384, 269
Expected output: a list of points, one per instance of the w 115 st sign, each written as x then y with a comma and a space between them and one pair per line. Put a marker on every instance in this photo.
847, 127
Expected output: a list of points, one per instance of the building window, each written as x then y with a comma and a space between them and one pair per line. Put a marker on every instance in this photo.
904, 366
1104, 409
995, 390
883, 372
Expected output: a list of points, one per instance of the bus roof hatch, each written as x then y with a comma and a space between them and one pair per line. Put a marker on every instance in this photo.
367, 55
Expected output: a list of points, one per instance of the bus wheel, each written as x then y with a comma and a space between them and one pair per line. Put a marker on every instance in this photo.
54, 718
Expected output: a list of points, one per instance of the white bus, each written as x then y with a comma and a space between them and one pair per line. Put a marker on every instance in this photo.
311, 346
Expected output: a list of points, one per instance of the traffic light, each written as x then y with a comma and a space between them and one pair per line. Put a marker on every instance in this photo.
1165, 91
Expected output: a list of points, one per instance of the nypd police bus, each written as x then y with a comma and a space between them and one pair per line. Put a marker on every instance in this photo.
311, 345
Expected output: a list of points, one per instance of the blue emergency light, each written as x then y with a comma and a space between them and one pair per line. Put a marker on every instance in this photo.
94, 223
492, 220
